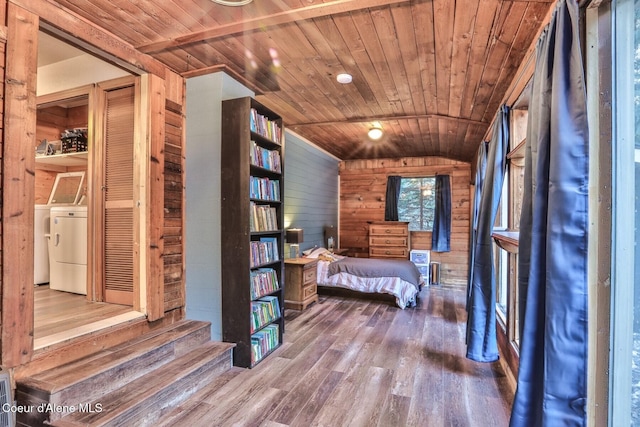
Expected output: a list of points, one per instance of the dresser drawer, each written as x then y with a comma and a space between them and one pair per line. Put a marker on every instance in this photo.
387, 241
309, 275
388, 252
309, 291
388, 230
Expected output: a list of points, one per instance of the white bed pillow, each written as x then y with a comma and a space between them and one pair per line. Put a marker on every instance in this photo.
314, 252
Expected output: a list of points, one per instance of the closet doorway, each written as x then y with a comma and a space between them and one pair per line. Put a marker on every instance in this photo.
86, 135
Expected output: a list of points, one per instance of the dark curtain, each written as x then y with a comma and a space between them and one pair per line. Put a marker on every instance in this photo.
552, 383
391, 199
481, 165
482, 343
441, 233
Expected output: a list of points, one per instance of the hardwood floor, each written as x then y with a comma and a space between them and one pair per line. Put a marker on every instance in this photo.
59, 316
358, 362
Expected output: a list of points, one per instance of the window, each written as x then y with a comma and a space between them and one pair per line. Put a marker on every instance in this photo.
416, 203
625, 298
507, 225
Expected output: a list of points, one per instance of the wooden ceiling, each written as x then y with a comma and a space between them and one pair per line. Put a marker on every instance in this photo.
432, 72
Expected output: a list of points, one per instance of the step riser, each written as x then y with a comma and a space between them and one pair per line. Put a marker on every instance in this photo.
114, 378
136, 363
140, 405
156, 407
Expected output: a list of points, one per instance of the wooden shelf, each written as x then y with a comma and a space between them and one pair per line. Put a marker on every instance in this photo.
68, 159
507, 240
237, 237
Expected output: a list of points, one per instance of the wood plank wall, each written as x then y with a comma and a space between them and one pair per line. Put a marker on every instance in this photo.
362, 198
17, 187
174, 289
3, 50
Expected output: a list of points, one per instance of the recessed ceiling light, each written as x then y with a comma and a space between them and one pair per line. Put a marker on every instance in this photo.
232, 2
344, 78
375, 133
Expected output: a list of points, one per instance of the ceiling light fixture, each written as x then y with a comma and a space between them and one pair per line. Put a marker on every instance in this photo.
232, 2
375, 133
344, 78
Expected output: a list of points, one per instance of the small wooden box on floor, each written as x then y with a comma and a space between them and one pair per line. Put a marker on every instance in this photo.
389, 239
301, 288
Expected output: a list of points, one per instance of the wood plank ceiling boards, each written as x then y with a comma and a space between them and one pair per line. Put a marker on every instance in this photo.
431, 72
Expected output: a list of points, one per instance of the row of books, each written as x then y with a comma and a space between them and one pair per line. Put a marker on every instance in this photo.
268, 159
263, 282
264, 188
263, 218
264, 251
263, 126
262, 342
264, 311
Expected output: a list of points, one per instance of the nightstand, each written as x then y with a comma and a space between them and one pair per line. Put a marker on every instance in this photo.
300, 287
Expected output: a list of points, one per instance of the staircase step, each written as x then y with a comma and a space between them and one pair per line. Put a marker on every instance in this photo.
146, 400
86, 379
189, 410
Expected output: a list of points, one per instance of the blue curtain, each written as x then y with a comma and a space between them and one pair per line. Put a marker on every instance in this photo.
552, 383
391, 199
481, 165
482, 343
441, 233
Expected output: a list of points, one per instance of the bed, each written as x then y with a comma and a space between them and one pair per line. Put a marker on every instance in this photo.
399, 278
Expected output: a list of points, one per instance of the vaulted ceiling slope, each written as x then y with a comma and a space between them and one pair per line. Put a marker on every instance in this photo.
431, 72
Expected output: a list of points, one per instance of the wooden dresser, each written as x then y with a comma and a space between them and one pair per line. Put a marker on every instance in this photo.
389, 239
300, 286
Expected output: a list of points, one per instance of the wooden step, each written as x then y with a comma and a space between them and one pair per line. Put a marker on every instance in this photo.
192, 409
146, 400
91, 377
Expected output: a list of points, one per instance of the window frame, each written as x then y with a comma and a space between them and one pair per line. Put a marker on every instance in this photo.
623, 242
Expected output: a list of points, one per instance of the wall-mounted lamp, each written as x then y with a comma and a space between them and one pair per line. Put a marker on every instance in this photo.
375, 133
294, 238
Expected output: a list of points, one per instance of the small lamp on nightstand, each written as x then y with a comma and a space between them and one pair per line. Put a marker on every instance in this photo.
294, 238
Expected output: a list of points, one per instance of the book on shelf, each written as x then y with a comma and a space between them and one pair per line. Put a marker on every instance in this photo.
261, 125
264, 188
264, 341
264, 311
264, 251
264, 158
262, 218
263, 282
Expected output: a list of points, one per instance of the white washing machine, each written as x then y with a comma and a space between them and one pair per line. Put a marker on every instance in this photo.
68, 249
40, 245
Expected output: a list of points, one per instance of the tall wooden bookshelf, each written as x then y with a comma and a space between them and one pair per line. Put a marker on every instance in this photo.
252, 230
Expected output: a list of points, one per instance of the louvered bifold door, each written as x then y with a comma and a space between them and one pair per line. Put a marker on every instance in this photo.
118, 202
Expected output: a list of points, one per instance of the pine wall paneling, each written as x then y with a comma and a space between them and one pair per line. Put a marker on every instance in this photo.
17, 187
3, 46
362, 199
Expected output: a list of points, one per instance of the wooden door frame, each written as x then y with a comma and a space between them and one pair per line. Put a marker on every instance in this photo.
17, 321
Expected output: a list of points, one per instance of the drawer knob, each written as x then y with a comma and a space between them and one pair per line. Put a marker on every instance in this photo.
387, 252
387, 241
387, 231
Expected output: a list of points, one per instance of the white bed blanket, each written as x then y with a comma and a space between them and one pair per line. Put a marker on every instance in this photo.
405, 292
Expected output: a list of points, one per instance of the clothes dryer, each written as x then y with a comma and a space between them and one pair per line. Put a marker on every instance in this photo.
68, 249
40, 244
